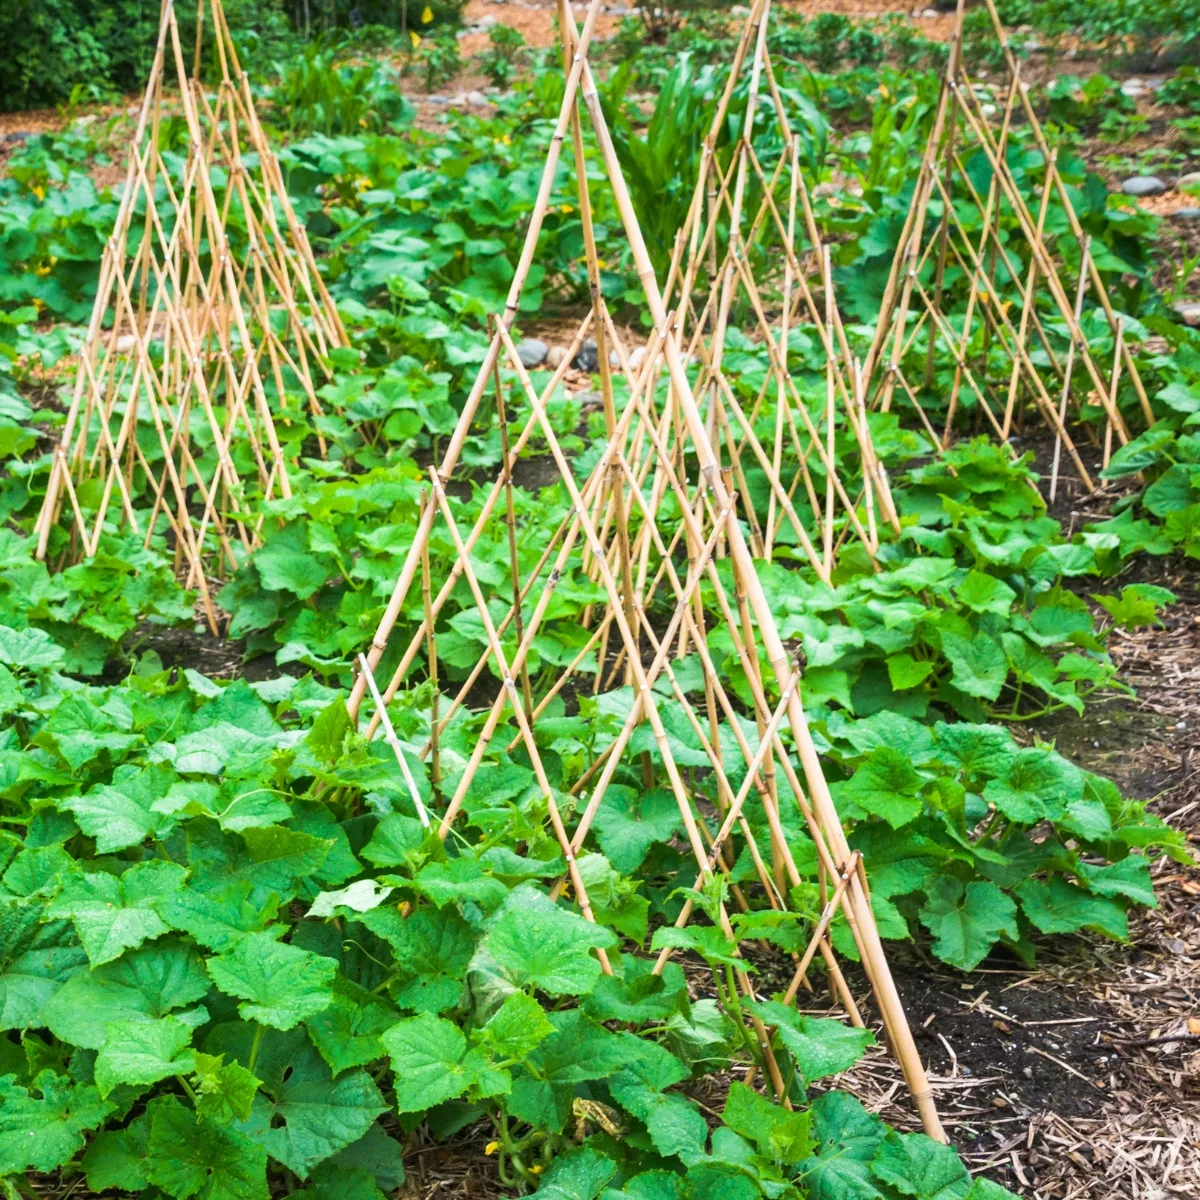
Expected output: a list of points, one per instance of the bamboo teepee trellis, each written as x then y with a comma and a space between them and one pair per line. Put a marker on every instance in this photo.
199, 341
643, 526
972, 264
750, 243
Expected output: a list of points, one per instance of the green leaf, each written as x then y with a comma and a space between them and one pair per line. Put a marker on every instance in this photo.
983, 593
675, 1125
460, 880
577, 1175
189, 1157
1038, 785
980, 666
649, 1185
113, 915
1056, 906
886, 785
627, 825
328, 731
782, 1136
432, 1063
280, 984
347, 1033
224, 1091
35, 960
433, 948
142, 985
975, 749
308, 1115
1128, 877
43, 1126
706, 940
218, 921
848, 1138
375, 1152
821, 1046
967, 922
516, 1029
142, 1052
905, 672
116, 1158
533, 942
121, 814
918, 1166
270, 860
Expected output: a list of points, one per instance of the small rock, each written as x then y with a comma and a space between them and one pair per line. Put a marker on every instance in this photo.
125, 343
1031, 46
1132, 88
1190, 180
555, 356
486, 22
1144, 185
437, 99
588, 358
988, 110
1175, 945
589, 400
637, 358
619, 10
477, 99
532, 352
929, 14
1186, 214
457, 101
1188, 313
739, 10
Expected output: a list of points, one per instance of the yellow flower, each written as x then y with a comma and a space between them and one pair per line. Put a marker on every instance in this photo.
415, 38
42, 271
602, 263
536, 1169
363, 184
983, 296
38, 190
491, 1147
427, 15
566, 208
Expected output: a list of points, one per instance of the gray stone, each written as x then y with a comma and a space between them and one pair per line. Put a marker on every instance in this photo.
486, 22
589, 399
637, 357
1144, 185
437, 99
1188, 313
478, 99
739, 10
532, 352
1186, 214
588, 358
1132, 88
555, 356
1190, 180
